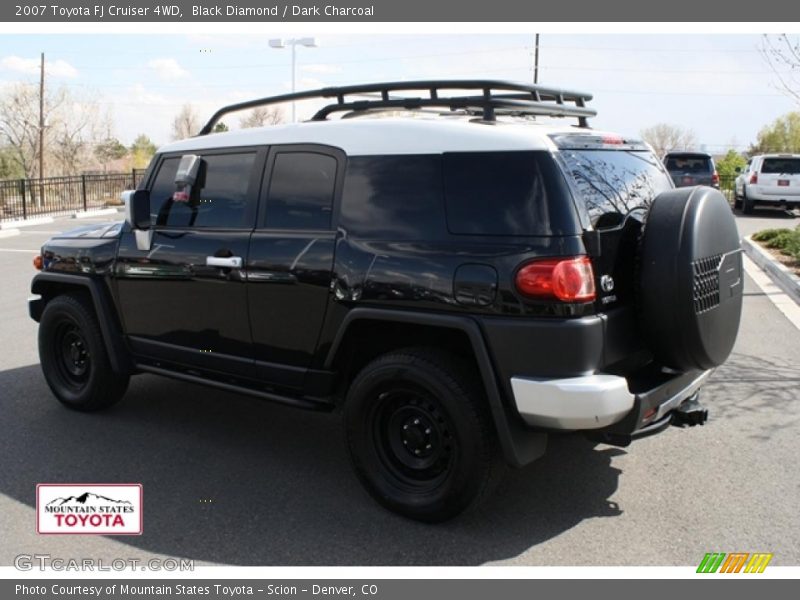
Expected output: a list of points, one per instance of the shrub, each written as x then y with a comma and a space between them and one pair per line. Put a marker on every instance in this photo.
787, 241
768, 234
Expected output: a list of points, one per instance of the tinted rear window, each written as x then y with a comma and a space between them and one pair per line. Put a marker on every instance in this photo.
506, 193
788, 166
393, 197
689, 164
613, 183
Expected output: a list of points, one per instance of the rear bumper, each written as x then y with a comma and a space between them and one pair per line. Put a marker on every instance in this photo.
773, 195
603, 402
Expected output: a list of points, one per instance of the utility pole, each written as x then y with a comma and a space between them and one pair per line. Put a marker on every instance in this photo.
41, 120
41, 134
536, 61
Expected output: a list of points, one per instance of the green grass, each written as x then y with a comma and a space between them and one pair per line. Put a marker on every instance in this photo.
787, 241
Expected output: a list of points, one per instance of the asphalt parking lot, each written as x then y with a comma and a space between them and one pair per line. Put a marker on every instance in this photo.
235, 480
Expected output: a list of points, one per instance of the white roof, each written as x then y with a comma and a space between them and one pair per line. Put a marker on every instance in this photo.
390, 135
778, 155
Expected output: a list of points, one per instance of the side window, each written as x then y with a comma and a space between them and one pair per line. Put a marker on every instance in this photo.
301, 191
219, 199
397, 197
505, 193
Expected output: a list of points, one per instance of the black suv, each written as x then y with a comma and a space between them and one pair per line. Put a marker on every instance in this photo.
459, 284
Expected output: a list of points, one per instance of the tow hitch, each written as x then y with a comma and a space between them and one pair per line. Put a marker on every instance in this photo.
690, 413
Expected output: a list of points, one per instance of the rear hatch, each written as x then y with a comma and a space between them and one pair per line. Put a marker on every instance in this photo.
614, 181
688, 169
780, 176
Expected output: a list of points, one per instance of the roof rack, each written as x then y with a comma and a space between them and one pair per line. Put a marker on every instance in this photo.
516, 98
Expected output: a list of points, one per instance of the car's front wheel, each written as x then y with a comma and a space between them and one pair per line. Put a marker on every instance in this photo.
73, 356
420, 435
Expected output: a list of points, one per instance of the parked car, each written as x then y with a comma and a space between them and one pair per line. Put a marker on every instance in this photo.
691, 168
769, 180
459, 285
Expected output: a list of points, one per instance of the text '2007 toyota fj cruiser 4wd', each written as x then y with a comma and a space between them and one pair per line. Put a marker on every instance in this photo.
460, 283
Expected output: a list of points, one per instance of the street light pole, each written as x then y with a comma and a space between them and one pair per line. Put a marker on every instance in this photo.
281, 43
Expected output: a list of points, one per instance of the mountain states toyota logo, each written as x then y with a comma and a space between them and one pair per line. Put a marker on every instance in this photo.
91, 508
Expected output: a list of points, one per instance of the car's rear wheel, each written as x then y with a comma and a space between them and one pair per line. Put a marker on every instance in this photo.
73, 356
419, 434
747, 204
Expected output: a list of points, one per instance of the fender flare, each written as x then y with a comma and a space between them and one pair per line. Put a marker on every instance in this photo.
520, 445
50, 283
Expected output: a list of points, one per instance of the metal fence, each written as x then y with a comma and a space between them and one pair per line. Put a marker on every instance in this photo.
727, 186
26, 198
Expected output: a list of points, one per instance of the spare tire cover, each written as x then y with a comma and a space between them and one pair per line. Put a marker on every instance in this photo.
690, 278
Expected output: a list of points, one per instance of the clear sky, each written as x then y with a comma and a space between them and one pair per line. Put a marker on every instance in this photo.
719, 86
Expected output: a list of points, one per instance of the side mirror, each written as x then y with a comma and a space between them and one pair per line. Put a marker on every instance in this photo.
137, 209
137, 215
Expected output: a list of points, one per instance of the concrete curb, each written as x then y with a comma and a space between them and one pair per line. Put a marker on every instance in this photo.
782, 276
87, 214
26, 222
6, 233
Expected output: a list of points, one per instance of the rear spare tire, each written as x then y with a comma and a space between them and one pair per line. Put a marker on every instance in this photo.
690, 278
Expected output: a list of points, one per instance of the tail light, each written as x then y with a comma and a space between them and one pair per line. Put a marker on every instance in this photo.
38, 263
754, 178
565, 279
715, 178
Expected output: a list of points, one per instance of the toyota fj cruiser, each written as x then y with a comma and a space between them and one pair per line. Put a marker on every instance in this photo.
460, 284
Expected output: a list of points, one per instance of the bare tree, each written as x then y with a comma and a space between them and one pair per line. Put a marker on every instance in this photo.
782, 54
186, 123
75, 135
19, 124
261, 116
664, 137
73, 126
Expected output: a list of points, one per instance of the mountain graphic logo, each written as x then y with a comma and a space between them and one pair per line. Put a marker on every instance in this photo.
86, 499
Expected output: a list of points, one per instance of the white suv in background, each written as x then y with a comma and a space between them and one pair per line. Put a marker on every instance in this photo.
771, 180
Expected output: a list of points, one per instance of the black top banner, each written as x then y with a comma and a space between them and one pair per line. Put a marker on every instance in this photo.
464, 11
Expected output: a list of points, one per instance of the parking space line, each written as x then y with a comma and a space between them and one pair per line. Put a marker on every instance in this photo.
19, 250
782, 301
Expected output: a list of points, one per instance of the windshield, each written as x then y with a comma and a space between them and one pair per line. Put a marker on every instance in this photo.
613, 183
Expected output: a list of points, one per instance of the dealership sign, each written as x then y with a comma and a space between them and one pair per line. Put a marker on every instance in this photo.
89, 508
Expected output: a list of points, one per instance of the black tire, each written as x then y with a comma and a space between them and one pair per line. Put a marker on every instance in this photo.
747, 204
690, 279
419, 434
74, 358
737, 202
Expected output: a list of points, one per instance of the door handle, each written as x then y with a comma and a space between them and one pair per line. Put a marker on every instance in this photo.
271, 277
231, 262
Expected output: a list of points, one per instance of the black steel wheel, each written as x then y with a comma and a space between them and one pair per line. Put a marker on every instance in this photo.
73, 356
419, 434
